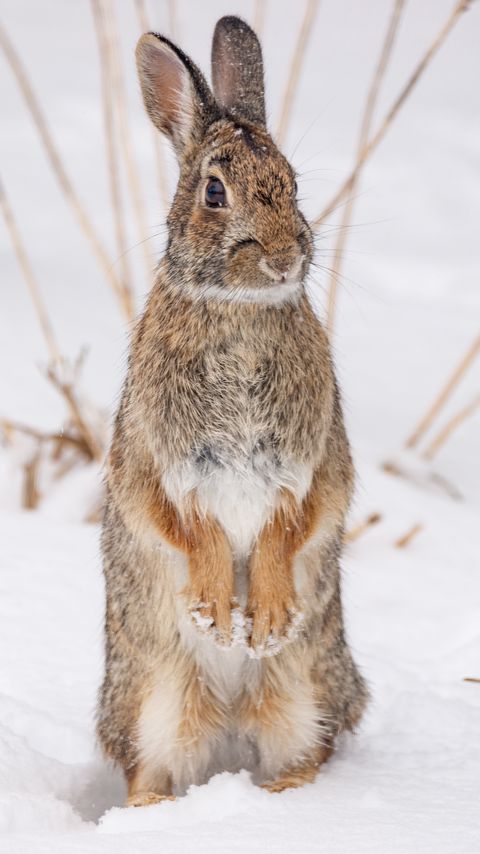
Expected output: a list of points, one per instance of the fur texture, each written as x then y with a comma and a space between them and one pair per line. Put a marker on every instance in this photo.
229, 474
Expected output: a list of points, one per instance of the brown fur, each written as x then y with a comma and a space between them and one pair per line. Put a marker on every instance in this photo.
228, 382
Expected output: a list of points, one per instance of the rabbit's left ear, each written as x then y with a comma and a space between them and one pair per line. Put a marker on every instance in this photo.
176, 95
237, 69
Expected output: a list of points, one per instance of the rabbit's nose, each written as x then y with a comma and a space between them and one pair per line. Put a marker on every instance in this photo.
281, 270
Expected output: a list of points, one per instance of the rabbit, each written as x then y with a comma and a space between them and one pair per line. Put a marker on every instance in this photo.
229, 473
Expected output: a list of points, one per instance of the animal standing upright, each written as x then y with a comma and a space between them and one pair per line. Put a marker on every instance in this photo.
229, 474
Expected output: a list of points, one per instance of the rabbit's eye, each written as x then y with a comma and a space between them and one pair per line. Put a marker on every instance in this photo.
215, 196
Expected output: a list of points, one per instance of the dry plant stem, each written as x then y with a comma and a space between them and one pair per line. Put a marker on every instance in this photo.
62, 437
357, 531
112, 160
30, 493
160, 162
259, 16
471, 679
295, 68
392, 468
450, 427
459, 8
30, 278
58, 167
66, 389
364, 134
441, 399
120, 100
172, 20
407, 538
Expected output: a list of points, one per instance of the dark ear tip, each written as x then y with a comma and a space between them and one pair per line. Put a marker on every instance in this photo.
232, 24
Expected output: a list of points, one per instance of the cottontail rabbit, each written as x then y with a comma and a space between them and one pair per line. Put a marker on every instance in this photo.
229, 474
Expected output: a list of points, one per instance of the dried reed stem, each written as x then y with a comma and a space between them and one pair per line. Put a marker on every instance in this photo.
407, 538
58, 168
368, 150
67, 391
450, 427
111, 150
259, 16
357, 531
364, 134
423, 479
172, 20
444, 394
160, 163
30, 278
295, 68
61, 438
30, 492
120, 99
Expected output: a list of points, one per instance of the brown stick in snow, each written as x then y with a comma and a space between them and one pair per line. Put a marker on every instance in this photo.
441, 399
450, 427
407, 538
295, 68
459, 8
58, 167
357, 531
364, 134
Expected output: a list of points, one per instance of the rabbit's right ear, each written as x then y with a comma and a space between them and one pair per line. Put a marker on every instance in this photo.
176, 95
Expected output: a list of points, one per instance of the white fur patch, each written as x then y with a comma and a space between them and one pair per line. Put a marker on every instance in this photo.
241, 494
275, 294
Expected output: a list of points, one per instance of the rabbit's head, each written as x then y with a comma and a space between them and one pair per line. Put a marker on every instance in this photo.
235, 230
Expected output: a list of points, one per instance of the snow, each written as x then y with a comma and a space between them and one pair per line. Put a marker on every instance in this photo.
409, 780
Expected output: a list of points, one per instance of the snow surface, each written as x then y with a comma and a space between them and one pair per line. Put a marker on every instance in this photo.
409, 781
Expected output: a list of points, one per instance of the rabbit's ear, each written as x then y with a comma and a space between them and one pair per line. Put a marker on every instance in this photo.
176, 95
237, 69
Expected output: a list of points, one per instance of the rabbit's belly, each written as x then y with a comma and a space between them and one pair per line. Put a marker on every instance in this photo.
240, 491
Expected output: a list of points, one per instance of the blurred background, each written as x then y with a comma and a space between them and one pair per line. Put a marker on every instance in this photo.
407, 317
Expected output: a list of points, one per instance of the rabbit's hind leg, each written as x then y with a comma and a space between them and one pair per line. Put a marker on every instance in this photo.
147, 785
179, 724
300, 774
279, 713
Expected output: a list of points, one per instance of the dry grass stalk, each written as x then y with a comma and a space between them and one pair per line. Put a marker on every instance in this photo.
112, 160
58, 167
58, 365
120, 99
364, 134
67, 390
30, 278
160, 162
58, 439
424, 479
259, 16
471, 679
295, 68
460, 7
441, 399
30, 492
357, 531
450, 427
407, 538
172, 20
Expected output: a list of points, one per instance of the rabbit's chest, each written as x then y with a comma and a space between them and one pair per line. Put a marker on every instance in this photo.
247, 442
239, 489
